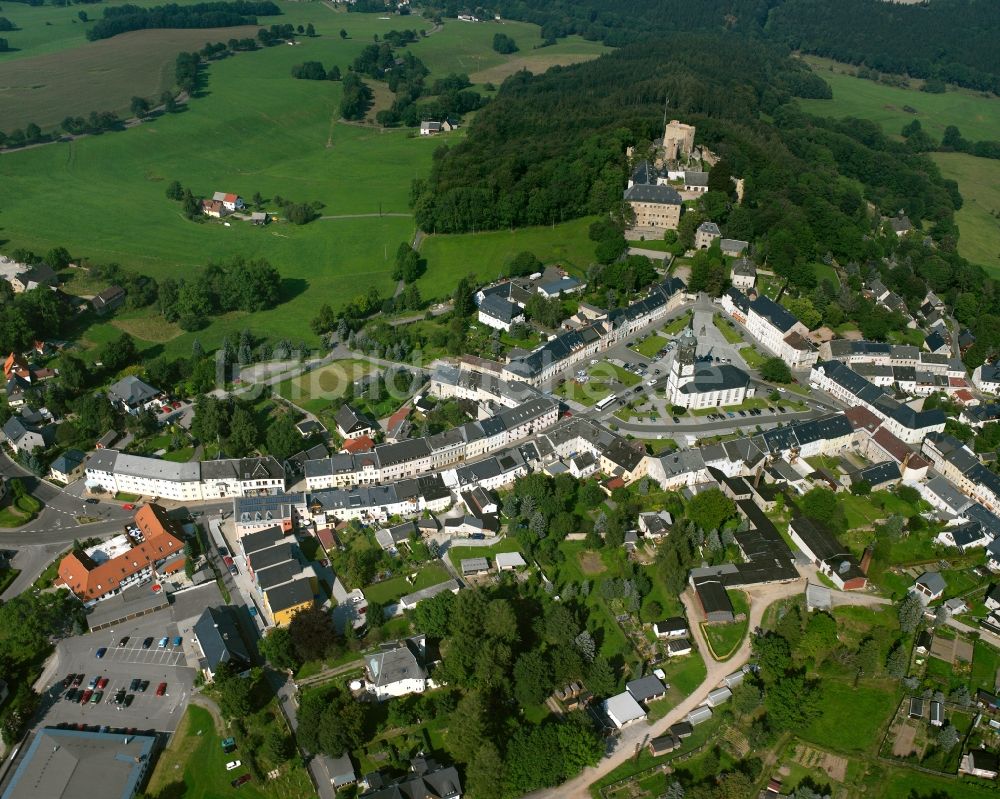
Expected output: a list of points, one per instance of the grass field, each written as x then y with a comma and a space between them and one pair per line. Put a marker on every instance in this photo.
571, 50
314, 390
853, 715
977, 116
650, 345
390, 590
485, 255
193, 766
258, 130
979, 183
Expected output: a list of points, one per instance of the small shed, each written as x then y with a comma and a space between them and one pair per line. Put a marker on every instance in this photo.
699, 715
682, 729
916, 707
473, 566
937, 714
719, 696
678, 647
663, 745
506, 561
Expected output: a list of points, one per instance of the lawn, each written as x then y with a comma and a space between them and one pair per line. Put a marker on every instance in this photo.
388, 591
193, 766
728, 330
979, 183
7, 576
650, 345
753, 358
985, 663
486, 255
978, 117
826, 272
853, 716
456, 554
314, 390
724, 639
677, 325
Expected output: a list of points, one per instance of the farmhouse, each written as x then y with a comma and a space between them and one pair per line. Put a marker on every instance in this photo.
108, 300
230, 202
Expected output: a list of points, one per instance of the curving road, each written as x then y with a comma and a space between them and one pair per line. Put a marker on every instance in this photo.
761, 597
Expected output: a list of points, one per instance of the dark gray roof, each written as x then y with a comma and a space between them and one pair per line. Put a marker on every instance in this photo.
132, 391
288, 595
694, 178
277, 574
351, 421
780, 317
646, 193
645, 688
220, 639
262, 539
722, 377
395, 663
499, 308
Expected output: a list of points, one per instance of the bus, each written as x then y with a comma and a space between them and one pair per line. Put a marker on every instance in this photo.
606, 402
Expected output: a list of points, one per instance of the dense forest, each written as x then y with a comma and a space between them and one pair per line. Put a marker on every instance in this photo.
120, 19
552, 148
534, 156
953, 40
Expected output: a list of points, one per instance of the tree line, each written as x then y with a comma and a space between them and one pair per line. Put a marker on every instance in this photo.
947, 40
128, 17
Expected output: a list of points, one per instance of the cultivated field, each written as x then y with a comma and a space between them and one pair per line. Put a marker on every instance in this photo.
571, 50
976, 115
98, 76
979, 183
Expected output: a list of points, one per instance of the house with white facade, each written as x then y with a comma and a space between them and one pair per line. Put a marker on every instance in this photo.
397, 669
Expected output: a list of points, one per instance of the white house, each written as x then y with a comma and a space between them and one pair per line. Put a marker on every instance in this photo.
987, 378
230, 202
397, 670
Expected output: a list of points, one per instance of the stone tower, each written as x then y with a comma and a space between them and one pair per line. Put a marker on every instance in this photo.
678, 140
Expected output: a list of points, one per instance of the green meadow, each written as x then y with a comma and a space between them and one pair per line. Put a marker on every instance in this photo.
256, 129
977, 117
979, 227
485, 255
975, 114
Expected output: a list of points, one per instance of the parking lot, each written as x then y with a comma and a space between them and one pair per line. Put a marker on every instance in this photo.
121, 665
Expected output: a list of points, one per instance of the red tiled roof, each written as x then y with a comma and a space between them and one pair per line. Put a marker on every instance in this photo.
326, 538
359, 444
862, 418
231, 198
398, 416
896, 448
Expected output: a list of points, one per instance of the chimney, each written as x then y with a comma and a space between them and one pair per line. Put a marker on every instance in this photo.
866, 559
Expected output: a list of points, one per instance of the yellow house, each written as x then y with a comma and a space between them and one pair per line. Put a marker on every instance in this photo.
284, 601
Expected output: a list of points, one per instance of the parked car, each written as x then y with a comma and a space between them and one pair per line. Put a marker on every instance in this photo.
101, 652
163, 642
228, 745
102, 683
242, 780
228, 561
147, 643
676, 420
97, 697
178, 641
123, 640
134, 685
233, 764
128, 506
67, 680
128, 700
222, 550
71, 695
161, 689
143, 686
120, 696
233, 570
85, 696
93, 682
78, 680
92, 501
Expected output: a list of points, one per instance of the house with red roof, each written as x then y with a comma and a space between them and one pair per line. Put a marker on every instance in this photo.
230, 202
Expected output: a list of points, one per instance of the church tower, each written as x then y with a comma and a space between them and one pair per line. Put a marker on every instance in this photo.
682, 368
